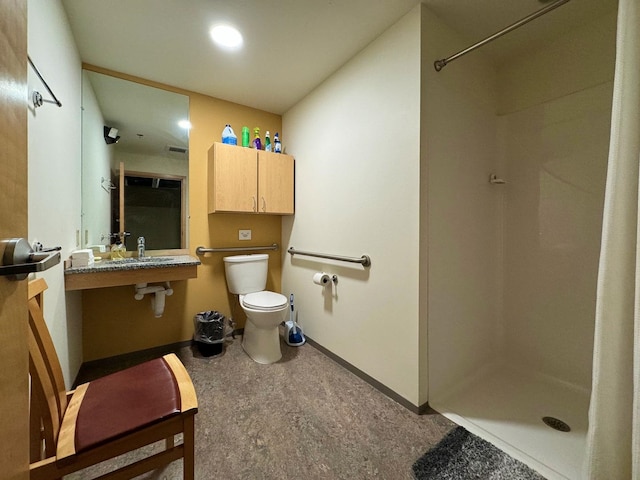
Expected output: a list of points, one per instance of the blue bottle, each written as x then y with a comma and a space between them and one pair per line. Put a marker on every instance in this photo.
228, 136
277, 146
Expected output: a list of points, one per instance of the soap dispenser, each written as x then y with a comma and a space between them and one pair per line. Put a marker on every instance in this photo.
118, 249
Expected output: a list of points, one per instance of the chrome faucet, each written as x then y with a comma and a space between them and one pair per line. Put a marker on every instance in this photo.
140, 247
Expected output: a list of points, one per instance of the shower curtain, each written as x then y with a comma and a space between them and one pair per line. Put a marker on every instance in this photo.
613, 438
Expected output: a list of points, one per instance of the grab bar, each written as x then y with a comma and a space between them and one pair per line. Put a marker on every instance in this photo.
203, 250
365, 260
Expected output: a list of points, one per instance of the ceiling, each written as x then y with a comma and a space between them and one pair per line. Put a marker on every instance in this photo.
290, 46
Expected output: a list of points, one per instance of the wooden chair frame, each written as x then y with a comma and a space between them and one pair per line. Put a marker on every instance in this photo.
54, 414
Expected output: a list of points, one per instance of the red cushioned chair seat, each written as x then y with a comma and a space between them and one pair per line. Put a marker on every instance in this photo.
126, 401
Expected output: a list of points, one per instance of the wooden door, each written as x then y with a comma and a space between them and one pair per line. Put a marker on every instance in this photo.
232, 179
275, 183
14, 357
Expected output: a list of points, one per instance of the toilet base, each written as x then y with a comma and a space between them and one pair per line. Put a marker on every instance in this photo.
262, 344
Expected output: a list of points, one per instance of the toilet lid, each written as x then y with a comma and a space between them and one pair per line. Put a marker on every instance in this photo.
264, 300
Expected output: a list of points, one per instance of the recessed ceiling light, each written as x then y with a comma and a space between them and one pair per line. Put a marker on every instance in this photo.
186, 124
226, 36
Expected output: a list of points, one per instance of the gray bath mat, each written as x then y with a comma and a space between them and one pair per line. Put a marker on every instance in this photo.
462, 455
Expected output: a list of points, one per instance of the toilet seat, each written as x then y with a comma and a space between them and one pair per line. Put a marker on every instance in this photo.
265, 301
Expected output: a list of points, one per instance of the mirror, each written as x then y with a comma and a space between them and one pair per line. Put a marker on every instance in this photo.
135, 163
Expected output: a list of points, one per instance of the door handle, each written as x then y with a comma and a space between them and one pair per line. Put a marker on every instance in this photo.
19, 259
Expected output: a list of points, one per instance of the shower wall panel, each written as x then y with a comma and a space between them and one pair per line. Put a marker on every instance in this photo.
556, 167
554, 145
463, 210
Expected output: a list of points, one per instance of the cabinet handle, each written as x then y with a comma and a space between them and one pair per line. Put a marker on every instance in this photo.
255, 204
264, 204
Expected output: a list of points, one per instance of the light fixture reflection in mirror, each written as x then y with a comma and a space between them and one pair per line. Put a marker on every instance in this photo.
153, 145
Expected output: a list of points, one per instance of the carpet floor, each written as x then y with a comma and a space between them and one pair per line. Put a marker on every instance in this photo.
302, 417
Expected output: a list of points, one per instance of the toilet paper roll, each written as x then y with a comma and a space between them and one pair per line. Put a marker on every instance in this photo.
321, 278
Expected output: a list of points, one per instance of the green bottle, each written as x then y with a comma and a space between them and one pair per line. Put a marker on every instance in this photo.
245, 136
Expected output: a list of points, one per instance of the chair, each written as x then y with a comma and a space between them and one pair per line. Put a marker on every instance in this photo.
107, 417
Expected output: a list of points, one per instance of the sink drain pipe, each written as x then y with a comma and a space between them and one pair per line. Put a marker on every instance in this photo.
159, 293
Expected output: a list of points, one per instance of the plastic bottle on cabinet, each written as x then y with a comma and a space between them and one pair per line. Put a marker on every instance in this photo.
277, 146
228, 136
257, 143
246, 140
267, 142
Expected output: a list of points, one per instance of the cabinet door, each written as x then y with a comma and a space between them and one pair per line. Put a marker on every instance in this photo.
233, 179
275, 183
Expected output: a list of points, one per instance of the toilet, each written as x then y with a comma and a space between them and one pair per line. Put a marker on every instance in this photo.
247, 277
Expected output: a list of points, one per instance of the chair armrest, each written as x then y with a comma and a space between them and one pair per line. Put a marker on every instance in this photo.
188, 398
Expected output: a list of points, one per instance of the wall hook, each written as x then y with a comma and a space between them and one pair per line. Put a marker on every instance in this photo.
107, 184
495, 180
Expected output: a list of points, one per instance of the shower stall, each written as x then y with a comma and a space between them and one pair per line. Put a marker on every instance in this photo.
516, 157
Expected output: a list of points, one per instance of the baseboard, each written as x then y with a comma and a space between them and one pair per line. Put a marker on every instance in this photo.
423, 409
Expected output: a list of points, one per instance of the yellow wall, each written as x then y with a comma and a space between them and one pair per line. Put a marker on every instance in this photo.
113, 321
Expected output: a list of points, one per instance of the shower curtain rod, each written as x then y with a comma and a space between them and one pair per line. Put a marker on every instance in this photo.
440, 64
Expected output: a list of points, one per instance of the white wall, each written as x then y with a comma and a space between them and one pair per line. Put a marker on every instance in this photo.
54, 168
556, 106
137, 162
96, 165
463, 230
356, 143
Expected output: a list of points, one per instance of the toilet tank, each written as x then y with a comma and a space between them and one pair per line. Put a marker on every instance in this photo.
246, 273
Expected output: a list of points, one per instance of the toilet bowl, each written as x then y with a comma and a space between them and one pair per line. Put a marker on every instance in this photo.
265, 311
247, 277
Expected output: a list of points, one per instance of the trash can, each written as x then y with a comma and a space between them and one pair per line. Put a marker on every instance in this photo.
209, 332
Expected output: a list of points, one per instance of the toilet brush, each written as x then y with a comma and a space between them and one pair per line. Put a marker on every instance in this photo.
294, 337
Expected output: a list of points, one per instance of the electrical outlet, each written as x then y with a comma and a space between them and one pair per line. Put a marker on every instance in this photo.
244, 234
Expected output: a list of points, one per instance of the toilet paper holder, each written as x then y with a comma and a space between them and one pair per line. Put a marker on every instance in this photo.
323, 279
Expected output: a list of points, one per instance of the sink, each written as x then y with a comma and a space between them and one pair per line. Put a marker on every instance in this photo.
131, 271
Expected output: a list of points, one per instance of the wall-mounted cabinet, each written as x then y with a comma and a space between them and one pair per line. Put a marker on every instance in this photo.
245, 180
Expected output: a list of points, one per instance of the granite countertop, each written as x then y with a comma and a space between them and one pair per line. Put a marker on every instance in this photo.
134, 263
